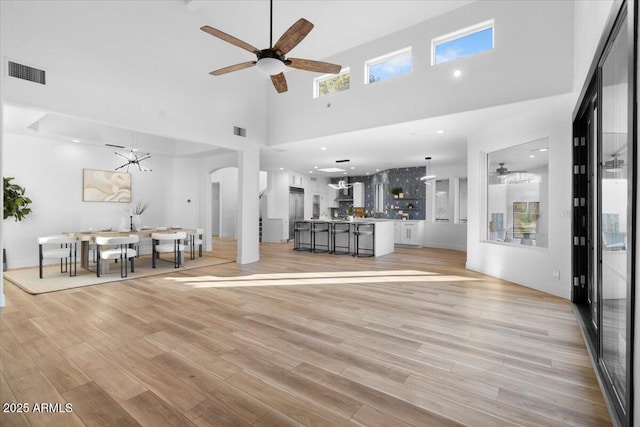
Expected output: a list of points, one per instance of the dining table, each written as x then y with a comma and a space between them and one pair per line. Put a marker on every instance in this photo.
88, 237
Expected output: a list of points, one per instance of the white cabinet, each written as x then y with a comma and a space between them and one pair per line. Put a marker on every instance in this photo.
275, 230
358, 194
409, 232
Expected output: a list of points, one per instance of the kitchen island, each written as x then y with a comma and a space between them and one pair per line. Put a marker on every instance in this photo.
382, 239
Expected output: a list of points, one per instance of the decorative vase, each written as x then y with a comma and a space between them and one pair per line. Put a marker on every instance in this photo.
136, 221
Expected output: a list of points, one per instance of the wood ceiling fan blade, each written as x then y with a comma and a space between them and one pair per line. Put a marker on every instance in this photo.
293, 36
279, 82
229, 39
317, 66
231, 68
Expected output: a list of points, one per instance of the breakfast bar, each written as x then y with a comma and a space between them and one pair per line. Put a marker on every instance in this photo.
360, 237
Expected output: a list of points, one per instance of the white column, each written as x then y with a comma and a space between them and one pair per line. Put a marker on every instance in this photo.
248, 204
1, 202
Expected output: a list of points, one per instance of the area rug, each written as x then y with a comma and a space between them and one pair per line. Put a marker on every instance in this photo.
53, 280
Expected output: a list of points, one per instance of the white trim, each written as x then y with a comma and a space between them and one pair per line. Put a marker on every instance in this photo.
463, 33
379, 59
319, 79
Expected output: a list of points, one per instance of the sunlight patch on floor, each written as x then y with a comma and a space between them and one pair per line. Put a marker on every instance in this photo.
318, 278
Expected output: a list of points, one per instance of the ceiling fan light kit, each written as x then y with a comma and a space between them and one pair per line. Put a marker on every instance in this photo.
272, 61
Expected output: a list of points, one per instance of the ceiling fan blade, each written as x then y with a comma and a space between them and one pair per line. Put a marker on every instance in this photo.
231, 68
279, 82
229, 39
317, 66
293, 36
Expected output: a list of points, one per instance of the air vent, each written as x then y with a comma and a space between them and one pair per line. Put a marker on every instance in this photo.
343, 161
25, 72
238, 131
113, 145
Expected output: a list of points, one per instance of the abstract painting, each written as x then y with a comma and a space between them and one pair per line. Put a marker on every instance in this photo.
106, 186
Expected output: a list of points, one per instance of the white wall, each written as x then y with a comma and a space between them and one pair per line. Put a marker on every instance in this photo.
430, 91
51, 172
529, 266
590, 18
101, 65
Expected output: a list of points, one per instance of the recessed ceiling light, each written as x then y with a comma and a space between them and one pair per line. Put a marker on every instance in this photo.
75, 140
532, 156
345, 173
543, 149
323, 148
367, 173
441, 131
377, 170
281, 169
457, 73
315, 167
353, 167
310, 171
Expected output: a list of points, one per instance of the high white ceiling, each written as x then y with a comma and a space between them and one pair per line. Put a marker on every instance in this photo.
339, 26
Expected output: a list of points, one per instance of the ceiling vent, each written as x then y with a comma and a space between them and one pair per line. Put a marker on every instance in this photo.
25, 72
238, 131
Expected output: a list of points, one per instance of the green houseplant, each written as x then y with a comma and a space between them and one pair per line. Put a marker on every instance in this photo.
16, 205
395, 191
528, 222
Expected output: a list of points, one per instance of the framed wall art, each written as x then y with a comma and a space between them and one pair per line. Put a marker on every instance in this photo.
106, 186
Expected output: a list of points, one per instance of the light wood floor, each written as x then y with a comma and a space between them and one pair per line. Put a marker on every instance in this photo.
409, 339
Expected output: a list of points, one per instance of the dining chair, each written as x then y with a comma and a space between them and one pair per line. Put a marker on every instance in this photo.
196, 239
116, 248
65, 249
171, 244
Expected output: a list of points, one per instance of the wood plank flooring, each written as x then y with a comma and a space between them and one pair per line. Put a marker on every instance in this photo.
299, 339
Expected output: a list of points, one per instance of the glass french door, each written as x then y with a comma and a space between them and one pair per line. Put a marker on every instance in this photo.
604, 187
613, 213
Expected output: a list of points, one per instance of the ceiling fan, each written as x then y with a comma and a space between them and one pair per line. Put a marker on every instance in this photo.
272, 61
503, 172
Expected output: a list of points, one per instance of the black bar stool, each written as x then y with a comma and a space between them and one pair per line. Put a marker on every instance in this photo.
300, 228
365, 229
319, 228
337, 229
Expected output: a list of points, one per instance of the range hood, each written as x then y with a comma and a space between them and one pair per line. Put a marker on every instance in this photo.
343, 196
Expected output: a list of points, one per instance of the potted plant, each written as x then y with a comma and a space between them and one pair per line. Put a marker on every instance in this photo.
351, 210
16, 205
528, 222
396, 191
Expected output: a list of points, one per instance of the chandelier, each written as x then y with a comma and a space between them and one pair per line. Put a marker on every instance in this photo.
133, 158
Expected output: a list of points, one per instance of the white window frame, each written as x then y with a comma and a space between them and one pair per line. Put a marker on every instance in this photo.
320, 79
463, 33
384, 58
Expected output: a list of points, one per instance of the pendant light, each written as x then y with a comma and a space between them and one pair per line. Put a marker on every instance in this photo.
428, 177
341, 185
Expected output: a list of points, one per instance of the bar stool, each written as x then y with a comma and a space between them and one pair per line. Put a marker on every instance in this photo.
364, 229
300, 227
337, 229
319, 228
